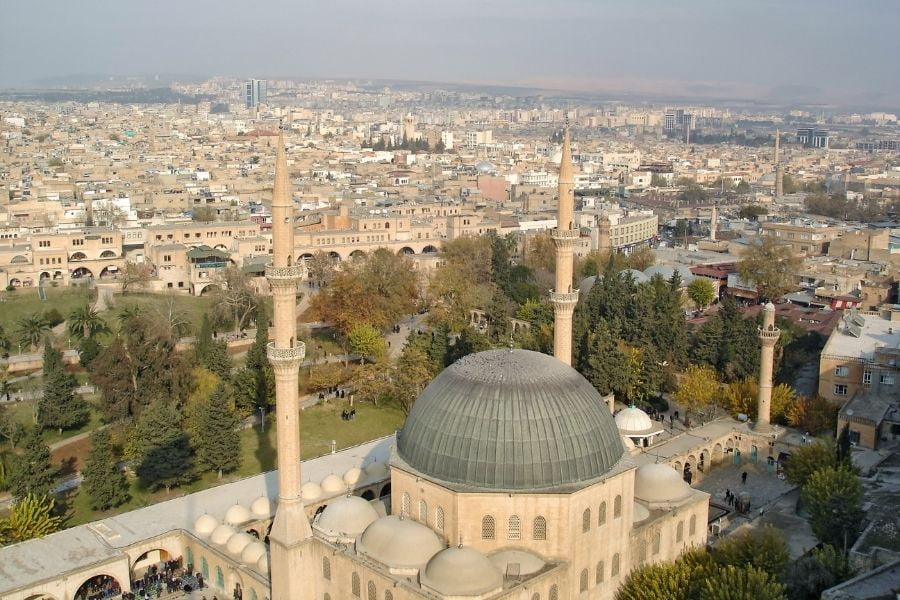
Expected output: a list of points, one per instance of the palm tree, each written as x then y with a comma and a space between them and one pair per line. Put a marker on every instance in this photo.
85, 322
31, 330
4, 342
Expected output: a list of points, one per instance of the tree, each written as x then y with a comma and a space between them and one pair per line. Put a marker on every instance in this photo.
657, 581
697, 389
413, 375
742, 397
88, 349
752, 211
5, 343
769, 266
10, 428
161, 449
814, 414
727, 342
469, 341
237, 297
33, 472
740, 583
377, 289
367, 342
30, 518
605, 365
132, 275
104, 482
320, 267
217, 443
258, 363
807, 459
814, 573
702, 292
641, 258
461, 283
742, 187
212, 354
764, 549
203, 214
833, 499
371, 382
325, 377
32, 330
85, 322
60, 407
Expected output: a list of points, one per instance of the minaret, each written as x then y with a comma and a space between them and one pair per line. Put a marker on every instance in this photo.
779, 170
565, 236
713, 221
291, 526
768, 336
604, 244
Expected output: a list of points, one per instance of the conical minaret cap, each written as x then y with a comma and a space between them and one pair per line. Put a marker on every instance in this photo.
566, 171
281, 193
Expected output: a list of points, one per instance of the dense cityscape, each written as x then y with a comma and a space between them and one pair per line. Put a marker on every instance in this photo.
338, 338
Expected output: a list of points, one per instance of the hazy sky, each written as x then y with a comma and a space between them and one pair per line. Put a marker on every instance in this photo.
843, 50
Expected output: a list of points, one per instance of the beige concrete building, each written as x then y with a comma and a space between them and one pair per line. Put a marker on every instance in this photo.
805, 239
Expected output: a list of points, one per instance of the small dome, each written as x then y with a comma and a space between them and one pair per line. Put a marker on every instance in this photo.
484, 167
587, 283
262, 565
311, 490
353, 475
399, 543
377, 469
262, 507
333, 484
222, 534
205, 524
638, 276
238, 542
346, 517
659, 484
461, 572
666, 272
253, 552
528, 563
640, 513
237, 515
633, 420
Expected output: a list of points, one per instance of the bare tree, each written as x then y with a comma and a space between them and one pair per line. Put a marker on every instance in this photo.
237, 296
133, 274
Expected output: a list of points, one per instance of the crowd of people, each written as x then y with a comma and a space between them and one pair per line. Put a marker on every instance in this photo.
166, 578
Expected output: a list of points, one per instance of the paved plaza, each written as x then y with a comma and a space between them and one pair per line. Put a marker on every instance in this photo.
763, 487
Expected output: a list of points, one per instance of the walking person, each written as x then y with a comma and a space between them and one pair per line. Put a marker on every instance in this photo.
744, 477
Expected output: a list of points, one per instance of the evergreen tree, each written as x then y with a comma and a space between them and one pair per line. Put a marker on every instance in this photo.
438, 349
258, 362
33, 472
833, 498
605, 363
30, 518
162, 449
210, 353
88, 349
217, 442
469, 342
60, 407
740, 583
104, 482
500, 262
764, 549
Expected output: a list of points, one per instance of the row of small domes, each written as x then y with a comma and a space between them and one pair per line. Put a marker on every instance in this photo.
243, 546
332, 484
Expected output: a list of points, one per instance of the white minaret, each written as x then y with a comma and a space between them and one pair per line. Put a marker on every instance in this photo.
768, 336
565, 236
291, 526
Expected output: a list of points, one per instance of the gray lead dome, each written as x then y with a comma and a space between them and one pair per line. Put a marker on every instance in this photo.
510, 420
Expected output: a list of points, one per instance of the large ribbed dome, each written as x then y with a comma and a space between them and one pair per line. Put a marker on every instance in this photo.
510, 420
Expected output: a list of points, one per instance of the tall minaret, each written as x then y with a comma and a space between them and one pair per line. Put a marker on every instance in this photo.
565, 236
713, 222
779, 170
291, 526
768, 336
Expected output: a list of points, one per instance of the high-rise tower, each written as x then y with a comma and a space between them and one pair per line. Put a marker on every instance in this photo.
565, 236
768, 337
291, 526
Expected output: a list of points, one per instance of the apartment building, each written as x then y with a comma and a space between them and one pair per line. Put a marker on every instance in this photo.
806, 239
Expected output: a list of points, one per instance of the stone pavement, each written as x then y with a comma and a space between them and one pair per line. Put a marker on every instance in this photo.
763, 487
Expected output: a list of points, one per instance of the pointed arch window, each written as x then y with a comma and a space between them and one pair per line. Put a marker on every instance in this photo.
614, 569
405, 502
599, 574
586, 520
583, 582
539, 528
423, 512
487, 527
514, 528
354, 585
617, 507
439, 518
601, 514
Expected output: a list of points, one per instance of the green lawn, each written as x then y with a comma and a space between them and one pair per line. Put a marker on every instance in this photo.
191, 307
24, 412
24, 302
318, 426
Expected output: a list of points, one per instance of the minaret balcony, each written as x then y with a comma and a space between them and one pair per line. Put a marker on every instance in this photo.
565, 234
564, 297
769, 334
286, 356
284, 276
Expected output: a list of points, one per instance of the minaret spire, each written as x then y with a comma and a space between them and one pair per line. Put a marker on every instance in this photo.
565, 236
768, 337
291, 526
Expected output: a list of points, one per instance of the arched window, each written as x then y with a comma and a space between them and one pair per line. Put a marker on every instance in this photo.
617, 507
614, 569
514, 528
583, 583
326, 569
404, 504
372, 594
601, 514
354, 585
423, 512
679, 531
642, 552
554, 592
189, 558
692, 527
388, 595
600, 572
586, 520
204, 567
656, 539
539, 529
220, 578
487, 527
439, 518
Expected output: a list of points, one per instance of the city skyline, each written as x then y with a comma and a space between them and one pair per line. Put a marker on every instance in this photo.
765, 51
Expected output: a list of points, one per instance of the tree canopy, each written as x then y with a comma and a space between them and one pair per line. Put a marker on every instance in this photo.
771, 267
104, 482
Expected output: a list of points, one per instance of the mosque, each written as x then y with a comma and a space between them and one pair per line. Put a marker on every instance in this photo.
509, 479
